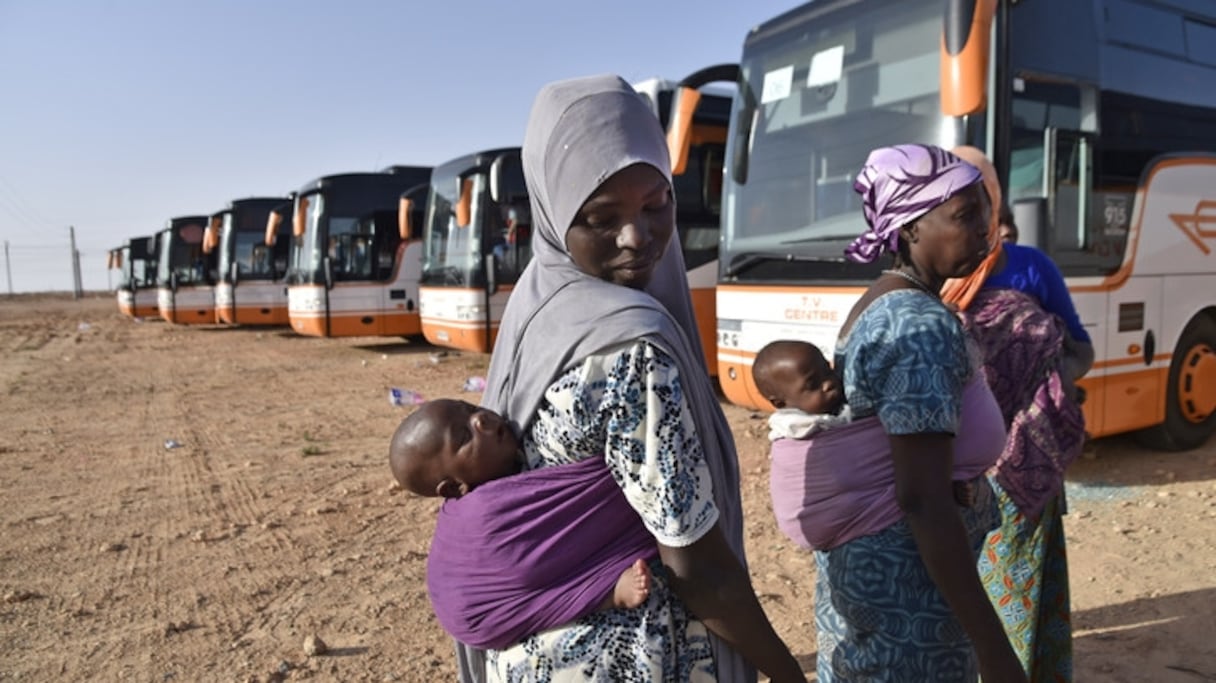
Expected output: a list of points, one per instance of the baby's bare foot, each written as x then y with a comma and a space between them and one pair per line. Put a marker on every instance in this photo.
633, 587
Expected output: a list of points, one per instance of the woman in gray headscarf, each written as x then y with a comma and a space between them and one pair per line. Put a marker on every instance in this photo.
598, 357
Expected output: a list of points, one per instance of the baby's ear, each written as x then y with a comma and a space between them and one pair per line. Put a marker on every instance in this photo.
450, 489
777, 403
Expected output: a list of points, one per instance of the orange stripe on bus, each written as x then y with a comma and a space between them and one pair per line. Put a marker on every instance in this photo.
460, 337
1137, 360
790, 289
378, 325
190, 316
1134, 400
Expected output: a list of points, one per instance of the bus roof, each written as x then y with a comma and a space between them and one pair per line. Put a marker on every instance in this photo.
473, 162
348, 179
180, 220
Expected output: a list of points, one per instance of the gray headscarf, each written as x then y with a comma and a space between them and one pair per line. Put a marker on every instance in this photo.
581, 132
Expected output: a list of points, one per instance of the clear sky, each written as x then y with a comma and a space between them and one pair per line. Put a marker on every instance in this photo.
116, 115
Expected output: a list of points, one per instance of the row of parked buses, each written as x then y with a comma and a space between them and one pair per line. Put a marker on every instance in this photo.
408, 251
1100, 116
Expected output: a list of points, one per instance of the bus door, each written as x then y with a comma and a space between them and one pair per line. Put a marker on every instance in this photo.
1071, 201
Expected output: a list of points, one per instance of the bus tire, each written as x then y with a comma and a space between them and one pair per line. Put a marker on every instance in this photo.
1190, 397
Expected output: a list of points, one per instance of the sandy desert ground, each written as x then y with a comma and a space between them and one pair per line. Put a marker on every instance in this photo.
274, 520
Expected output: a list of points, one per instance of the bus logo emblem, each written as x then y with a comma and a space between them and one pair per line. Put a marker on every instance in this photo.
1200, 225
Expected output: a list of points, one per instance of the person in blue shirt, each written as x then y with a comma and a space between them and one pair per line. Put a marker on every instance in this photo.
1032, 272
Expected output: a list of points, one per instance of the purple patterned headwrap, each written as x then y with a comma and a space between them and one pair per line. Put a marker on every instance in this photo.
900, 184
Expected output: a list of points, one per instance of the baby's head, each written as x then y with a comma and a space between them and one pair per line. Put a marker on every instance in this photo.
794, 374
446, 447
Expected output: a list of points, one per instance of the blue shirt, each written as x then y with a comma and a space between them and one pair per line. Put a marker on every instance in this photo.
1031, 272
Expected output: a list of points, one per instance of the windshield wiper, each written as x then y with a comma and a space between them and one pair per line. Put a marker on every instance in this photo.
821, 238
749, 260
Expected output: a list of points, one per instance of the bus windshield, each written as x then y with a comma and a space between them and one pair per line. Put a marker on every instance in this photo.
815, 98
181, 255
352, 249
453, 251
305, 265
243, 242
126, 278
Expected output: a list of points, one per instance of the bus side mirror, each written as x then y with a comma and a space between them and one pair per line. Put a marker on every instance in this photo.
464, 205
211, 235
506, 177
679, 129
405, 225
491, 273
273, 221
297, 220
963, 61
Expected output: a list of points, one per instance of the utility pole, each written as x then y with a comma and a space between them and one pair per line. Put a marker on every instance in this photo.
8, 269
77, 290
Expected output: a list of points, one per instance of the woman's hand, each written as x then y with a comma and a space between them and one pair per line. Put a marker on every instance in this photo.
714, 586
1078, 358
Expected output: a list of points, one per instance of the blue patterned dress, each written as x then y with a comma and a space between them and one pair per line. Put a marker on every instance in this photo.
878, 614
627, 406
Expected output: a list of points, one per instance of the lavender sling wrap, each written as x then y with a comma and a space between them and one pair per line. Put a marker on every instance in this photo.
839, 484
530, 552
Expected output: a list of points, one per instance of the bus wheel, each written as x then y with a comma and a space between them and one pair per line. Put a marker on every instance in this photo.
1190, 398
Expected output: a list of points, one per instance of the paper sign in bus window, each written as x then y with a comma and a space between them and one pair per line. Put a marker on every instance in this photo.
777, 84
826, 67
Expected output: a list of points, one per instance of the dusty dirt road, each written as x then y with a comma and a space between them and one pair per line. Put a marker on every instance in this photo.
273, 519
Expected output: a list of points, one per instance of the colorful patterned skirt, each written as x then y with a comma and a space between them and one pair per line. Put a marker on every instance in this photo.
879, 615
1024, 568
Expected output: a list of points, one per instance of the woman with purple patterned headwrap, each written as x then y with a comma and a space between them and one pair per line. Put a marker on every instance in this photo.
903, 600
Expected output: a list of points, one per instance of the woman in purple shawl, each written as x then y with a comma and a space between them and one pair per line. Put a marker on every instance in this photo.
1034, 347
598, 358
904, 602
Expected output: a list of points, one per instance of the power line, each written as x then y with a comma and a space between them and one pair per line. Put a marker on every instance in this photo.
33, 247
21, 216
21, 202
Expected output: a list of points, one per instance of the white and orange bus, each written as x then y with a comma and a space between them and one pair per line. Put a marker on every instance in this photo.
471, 258
352, 272
135, 262
251, 288
185, 272
470, 267
1099, 115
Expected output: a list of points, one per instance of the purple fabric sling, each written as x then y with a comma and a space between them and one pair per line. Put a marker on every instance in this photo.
1023, 351
839, 485
531, 552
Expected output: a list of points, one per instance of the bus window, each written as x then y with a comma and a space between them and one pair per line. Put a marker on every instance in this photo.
1055, 154
1037, 107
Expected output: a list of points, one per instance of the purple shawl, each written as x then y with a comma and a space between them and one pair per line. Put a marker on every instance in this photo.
531, 552
1023, 347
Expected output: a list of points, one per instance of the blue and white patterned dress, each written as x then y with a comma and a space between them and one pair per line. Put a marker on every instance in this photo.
627, 406
878, 614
